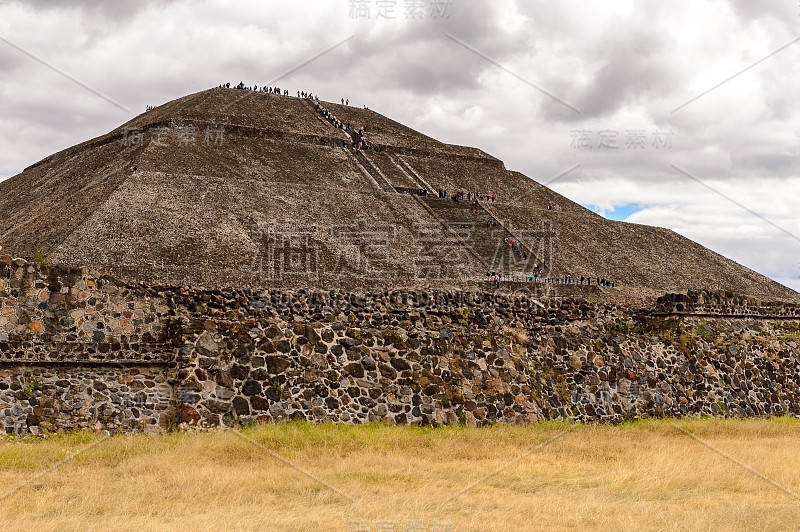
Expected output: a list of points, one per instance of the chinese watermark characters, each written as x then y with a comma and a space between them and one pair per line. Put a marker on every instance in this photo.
183, 136
395, 525
399, 9
610, 139
287, 251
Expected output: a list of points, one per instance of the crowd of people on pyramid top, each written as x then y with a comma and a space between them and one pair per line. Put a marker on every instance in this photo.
358, 142
277, 90
255, 88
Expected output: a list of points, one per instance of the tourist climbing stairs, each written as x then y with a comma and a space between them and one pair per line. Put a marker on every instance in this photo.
526, 246
313, 109
468, 224
492, 243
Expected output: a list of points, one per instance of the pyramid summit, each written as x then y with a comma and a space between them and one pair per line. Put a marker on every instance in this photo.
237, 188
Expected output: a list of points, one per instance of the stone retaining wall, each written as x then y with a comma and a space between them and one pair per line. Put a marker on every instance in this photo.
58, 304
723, 303
116, 356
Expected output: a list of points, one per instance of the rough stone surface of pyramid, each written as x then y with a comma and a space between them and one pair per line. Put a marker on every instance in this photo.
233, 188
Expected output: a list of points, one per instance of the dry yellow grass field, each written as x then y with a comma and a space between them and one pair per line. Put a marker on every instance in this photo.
653, 475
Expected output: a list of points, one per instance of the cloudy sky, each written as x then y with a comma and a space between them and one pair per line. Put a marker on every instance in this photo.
662, 120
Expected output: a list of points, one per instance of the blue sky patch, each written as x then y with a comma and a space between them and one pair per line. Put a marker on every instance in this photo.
619, 213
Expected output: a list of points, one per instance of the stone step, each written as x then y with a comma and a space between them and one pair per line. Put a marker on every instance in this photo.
376, 174
475, 231
391, 170
411, 172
